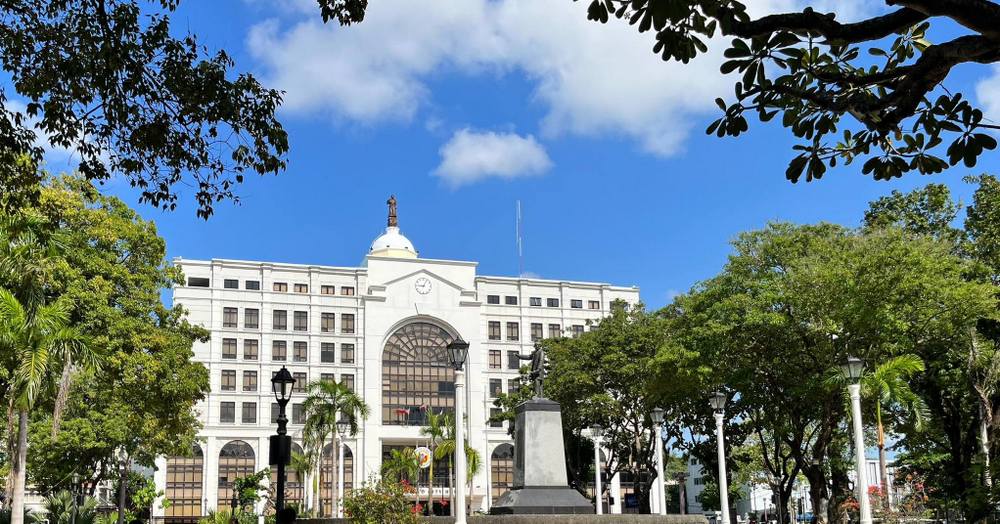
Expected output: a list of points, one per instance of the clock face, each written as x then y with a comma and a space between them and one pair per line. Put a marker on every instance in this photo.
422, 285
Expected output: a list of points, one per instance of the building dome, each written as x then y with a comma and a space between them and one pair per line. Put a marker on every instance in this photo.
392, 243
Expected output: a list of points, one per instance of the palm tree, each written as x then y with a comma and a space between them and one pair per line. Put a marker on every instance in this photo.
888, 385
302, 464
33, 338
59, 510
402, 463
446, 449
437, 424
326, 402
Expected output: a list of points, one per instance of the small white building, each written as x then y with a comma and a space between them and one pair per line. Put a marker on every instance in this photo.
382, 329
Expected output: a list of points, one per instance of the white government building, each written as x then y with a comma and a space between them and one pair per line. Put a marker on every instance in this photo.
381, 328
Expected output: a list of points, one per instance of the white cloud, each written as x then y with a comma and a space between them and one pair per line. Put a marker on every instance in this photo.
988, 94
471, 156
591, 79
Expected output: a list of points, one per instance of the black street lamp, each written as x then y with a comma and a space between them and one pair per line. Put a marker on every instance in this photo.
458, 350
281, 444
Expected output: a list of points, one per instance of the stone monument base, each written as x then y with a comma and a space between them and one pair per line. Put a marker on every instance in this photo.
542, 501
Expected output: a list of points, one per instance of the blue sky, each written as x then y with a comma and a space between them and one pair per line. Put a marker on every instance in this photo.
463, 110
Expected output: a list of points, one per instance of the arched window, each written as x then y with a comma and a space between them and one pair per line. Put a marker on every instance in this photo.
294, 482
501, 470
183, 490
416, 374
236, 460
328, 472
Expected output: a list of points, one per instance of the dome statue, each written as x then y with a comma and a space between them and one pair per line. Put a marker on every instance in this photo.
392, 243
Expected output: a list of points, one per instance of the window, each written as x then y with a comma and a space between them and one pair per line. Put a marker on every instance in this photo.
494, 331
251, 318
279, 350
510, 300
347, 353
299, 352
228, 380
300, 382
328, 290
250, 349
492, 299
252, 285
198, 282
513, 331
229, 315
327, 377
227, 412
281, 287
494, 359
347, 381
298, 414
576, 304
229, 348
536, 332
326, 322
249, 381
496, 387
301, 321
249, 413
327, 352
280, 319
555, 331
552, 302
301, 288
275, 409
593, 304
577, 330
535, 301
513, 385
416, 372
512, 361
231, 283
347, 291
495, 421
347, 323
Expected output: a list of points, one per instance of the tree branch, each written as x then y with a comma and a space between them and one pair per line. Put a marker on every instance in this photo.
825, 25
981, 16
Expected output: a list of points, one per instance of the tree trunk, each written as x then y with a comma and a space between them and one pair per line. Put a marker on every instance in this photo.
430, 485
20, 468
62, 396
318, 491
818, 492
984, 442
451, 488
123, 491
883, 467
334, 488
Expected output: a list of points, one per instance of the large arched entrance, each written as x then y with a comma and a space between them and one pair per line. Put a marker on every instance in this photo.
236, 460
183, 489
501, 471
328, 474
416, 374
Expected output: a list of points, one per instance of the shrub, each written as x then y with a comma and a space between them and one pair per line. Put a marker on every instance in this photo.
380, 501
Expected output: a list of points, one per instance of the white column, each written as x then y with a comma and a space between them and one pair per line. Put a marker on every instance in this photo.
340, 480
864, 504
660, 481
616, 492
460, 468
160, 480
597, 475
210, 489
723, 482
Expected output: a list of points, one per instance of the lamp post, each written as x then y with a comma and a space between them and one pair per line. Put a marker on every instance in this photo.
343, 425
718, 403
597, 432
852, 369
281, 444
458, 350
661, 486
76, 496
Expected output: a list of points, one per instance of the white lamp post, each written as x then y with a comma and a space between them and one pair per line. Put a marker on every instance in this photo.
661, 486
852, 370
718, 403
458, 350
597, 431
343, 425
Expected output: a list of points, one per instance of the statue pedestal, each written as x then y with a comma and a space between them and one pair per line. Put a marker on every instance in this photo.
540, 483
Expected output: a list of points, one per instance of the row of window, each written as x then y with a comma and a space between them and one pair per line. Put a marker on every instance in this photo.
279, 320
227, 409
279, 351
280, 287
537, 333
511, 300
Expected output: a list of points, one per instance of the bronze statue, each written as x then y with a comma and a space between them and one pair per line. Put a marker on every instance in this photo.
539, 365
393, 221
